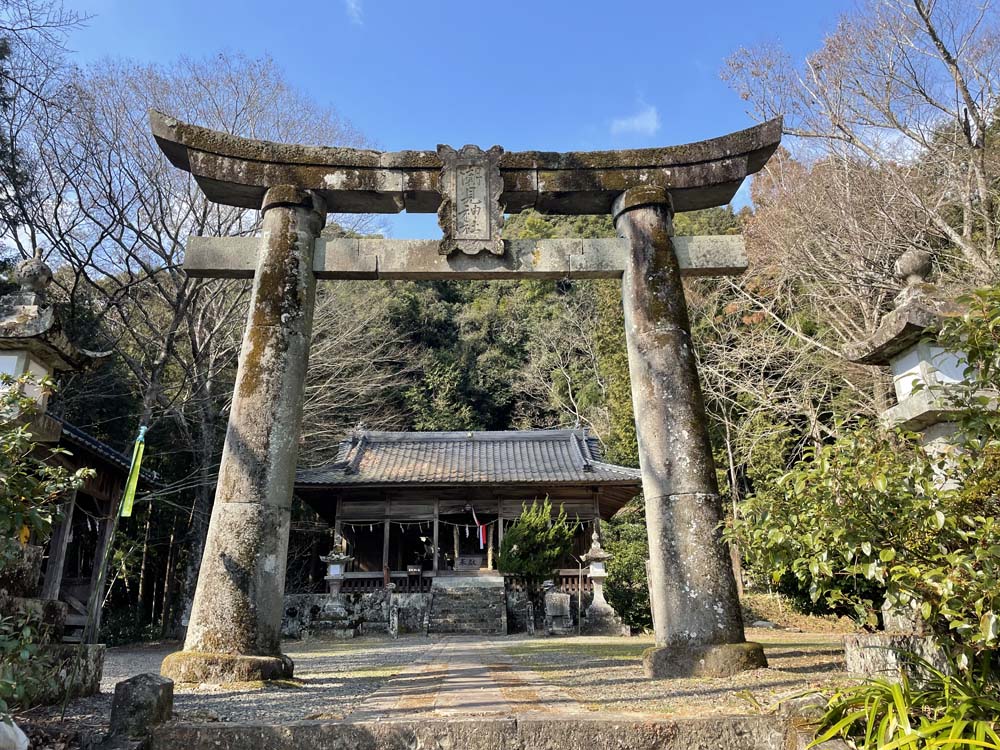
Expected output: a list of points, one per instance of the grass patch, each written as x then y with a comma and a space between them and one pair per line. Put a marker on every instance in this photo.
372, 672
800, 645
626, 651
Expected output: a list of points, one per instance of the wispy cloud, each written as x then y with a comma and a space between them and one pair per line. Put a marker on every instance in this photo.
645, 121
355, 11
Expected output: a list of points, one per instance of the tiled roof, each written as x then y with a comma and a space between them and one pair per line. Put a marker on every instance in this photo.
73, 434
515, 457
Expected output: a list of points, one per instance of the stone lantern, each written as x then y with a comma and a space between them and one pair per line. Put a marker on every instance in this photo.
922, 370
601, 616
33, 343
336, 564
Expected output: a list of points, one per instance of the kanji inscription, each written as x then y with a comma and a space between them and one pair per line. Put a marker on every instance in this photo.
472, 221
470, 213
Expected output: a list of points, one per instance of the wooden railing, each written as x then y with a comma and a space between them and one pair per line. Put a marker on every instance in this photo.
567, 580
363, 583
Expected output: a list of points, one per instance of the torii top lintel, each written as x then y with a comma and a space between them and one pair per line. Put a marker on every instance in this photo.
238, 171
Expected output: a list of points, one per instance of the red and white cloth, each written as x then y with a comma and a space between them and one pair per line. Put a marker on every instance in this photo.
480, 530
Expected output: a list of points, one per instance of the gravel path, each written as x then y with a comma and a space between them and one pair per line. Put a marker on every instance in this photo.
445, 676
332, 678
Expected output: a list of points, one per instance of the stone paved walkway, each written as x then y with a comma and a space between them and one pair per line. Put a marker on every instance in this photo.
468, 677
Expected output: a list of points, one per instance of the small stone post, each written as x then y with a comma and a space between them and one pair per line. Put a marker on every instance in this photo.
235, 628
697, 619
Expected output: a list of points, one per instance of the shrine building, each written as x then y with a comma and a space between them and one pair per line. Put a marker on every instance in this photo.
415, 506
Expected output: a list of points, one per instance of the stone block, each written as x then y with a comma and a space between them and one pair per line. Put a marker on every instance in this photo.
803, 708
903, 620
76, 672
592, 731
140, 703
394, 621
343, 258
884, 654
221, 257
47, 615
20, 575
558, 615
598, 258
713, 255
718, 660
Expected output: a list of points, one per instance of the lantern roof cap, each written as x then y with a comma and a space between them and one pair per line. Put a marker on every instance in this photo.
920, 310
29, 323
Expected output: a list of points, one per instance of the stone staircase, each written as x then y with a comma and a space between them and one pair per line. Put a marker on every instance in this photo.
472, 605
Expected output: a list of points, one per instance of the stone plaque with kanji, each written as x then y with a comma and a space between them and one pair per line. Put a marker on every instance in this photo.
470, 213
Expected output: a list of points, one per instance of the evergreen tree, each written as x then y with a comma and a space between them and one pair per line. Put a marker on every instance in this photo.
537, 541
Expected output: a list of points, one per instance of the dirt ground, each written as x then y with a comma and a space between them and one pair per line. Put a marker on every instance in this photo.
777, 609
434, 676
605, 674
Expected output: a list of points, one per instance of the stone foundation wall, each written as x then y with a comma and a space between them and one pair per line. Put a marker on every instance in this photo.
70, 671
21, 575
61, 671
368, 612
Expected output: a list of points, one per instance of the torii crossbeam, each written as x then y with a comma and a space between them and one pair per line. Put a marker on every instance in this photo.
234, 631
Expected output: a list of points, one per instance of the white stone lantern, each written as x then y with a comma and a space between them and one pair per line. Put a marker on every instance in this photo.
922, 370
33, 343
922, 373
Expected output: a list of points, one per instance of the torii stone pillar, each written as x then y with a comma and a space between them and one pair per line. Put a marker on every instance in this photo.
696, 610
235, 627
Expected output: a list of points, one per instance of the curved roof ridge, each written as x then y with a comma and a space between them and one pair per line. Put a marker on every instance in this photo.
467, 457
237, 171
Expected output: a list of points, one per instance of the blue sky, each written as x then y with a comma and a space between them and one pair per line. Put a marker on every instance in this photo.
549, 74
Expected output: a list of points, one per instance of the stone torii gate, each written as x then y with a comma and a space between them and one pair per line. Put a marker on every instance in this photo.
234, 631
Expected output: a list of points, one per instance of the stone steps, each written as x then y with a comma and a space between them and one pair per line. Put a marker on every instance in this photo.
468, 607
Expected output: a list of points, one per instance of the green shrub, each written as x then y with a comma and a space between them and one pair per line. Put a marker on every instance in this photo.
874, 507
869, 513
536, 543
20, 670
31, 489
